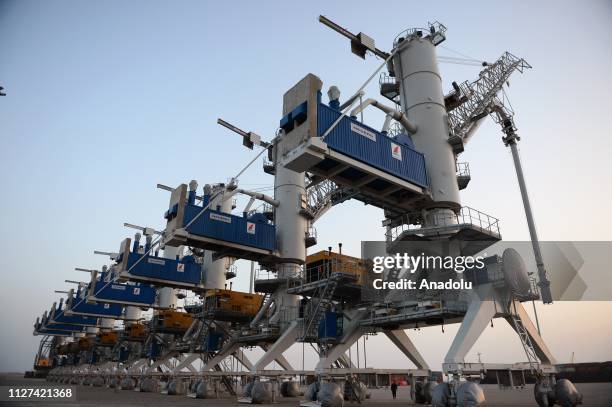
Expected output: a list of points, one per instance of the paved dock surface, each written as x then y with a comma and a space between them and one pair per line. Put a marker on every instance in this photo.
595, 395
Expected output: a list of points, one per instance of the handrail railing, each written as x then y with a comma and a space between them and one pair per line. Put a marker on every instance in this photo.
311, 232
465, 216
463, 169
435, 29
385, 78
325, 271
264, 274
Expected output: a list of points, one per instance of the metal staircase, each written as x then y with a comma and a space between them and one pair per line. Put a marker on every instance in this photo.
532, 357
225, 380
319, 195
323, 297
350, 389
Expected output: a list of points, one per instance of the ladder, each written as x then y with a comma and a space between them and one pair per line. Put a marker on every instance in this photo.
266, 298
349, 388
532, 357
311, 325
225, 380
319, 195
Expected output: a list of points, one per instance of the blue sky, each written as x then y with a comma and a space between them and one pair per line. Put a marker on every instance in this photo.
106, 99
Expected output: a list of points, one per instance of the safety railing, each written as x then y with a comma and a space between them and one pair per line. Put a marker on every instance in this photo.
435, 30
311, 233
267, 208
263, 274
386, 79
311, 275
231, 271
290, 272
470, 216
389, 88
330, 268
463, 169
466, 216
267, 162
192, 302
264, 208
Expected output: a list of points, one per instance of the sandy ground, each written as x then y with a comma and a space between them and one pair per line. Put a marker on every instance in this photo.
595, 394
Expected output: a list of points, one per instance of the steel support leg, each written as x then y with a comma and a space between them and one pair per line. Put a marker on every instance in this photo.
403, 342
227, 350
187, 361
479, 314
283, 343
352, 332
280, 359
161, 362
242, 359
539, 345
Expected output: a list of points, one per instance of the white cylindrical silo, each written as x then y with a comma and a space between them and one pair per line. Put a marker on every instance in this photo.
107, 323
289, 191
92, 330
132, 314
166, 296
422, 100
289, 188
214, 271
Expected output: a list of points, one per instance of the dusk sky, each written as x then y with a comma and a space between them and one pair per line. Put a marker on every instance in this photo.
107, 99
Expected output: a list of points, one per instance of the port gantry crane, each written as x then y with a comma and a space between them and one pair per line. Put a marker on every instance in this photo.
321, 156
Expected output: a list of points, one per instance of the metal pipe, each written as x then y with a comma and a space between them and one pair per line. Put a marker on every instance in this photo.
252, 278
343, 31
399, 116
511, 140
261, 312
387, 123
272, 310
251, 202
535, 243
276, 315
256, 195
246, 135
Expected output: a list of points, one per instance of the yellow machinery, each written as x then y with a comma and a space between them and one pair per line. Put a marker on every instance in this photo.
136, 332
42, 363
107, 338
229, 305
171, 321
322, 264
